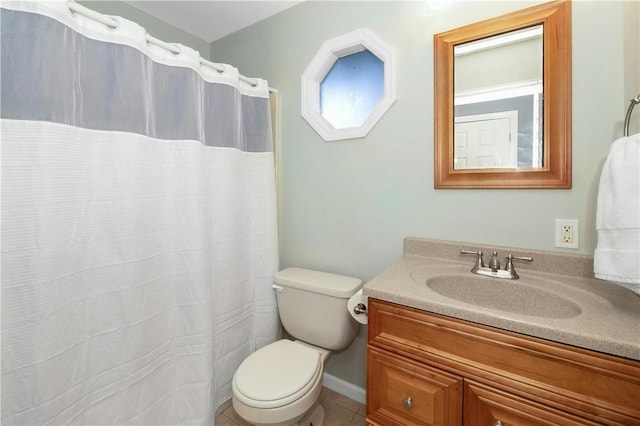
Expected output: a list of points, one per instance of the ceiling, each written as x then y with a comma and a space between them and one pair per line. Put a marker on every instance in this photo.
213, 19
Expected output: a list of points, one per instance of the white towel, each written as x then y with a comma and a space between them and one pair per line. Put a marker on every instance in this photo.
617, 256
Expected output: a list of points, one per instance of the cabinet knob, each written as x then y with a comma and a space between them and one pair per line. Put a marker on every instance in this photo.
408, 403
498, 423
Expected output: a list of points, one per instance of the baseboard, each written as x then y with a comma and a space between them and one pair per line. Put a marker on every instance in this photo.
344, 388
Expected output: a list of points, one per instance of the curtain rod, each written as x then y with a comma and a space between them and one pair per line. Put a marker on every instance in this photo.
171, 47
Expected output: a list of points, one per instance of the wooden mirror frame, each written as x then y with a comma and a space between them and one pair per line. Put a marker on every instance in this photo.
556, 166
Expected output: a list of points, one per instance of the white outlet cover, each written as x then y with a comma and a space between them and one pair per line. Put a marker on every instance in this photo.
573, 223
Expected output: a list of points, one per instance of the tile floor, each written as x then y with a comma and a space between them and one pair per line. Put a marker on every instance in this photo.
338, 411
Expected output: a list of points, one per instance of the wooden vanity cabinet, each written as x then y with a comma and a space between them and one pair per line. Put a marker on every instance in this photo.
428, 369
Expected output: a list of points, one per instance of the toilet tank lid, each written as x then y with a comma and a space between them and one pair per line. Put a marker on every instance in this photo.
319, 282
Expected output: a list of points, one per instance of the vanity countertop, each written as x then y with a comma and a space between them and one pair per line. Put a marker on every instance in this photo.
608, 318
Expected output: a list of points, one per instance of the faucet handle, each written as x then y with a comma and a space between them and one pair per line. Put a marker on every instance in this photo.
509, 266
525, 258
479, 259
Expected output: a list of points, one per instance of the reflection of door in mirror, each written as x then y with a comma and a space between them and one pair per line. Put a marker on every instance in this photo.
493, 76
486, 140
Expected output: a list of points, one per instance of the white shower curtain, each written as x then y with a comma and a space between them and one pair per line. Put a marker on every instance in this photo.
139, 235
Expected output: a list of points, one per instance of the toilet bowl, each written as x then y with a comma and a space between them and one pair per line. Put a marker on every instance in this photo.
280, 384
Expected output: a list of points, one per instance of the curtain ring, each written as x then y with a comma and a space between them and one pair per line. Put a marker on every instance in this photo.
111, 22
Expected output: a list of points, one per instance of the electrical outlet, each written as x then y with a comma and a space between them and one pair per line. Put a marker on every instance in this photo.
567, 233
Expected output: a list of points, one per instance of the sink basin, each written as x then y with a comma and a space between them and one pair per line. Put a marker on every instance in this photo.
514, 296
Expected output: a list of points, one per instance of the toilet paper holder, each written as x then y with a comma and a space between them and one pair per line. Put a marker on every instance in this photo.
360, 308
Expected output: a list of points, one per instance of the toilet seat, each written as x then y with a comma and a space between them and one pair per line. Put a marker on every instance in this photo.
277, 374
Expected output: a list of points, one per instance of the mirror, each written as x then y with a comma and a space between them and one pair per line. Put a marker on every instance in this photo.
497, 115
503, 101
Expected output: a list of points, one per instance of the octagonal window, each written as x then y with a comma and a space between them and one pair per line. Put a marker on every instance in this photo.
352, 89
349, 85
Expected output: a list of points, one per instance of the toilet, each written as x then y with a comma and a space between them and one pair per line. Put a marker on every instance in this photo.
279, 384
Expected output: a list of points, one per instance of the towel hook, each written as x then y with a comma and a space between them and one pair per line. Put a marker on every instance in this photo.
633, 102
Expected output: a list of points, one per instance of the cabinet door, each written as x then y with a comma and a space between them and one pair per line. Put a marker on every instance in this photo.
486, 406
405, 393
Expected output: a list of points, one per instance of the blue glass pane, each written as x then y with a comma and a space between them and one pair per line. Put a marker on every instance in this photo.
352, 89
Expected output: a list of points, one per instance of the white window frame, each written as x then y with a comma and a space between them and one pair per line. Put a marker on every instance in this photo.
323, 61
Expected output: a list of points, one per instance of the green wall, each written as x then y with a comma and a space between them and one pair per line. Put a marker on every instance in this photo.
154, 26
346, 206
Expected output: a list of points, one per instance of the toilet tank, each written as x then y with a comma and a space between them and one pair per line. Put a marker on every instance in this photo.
313, 306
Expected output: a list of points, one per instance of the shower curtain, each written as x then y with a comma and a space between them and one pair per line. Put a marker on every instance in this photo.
139, 235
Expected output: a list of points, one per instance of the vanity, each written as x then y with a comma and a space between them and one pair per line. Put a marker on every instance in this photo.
448, 347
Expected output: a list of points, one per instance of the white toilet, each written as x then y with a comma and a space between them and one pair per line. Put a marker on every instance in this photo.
279, 384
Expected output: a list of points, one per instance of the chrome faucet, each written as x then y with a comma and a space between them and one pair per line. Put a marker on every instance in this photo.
509, 272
